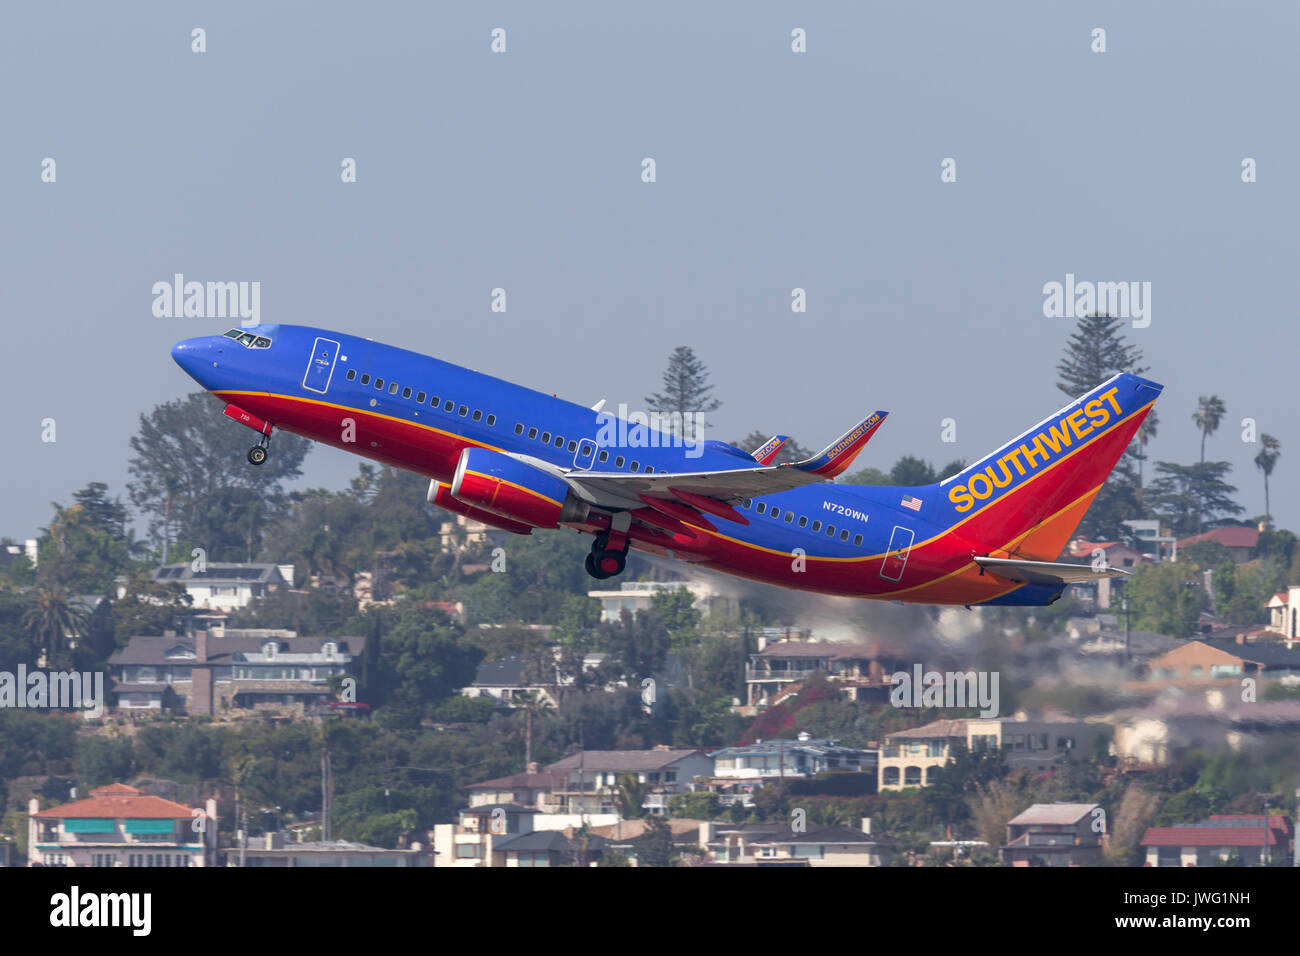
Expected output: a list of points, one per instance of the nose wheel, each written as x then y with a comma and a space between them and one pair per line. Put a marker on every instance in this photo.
257, 454
604, 561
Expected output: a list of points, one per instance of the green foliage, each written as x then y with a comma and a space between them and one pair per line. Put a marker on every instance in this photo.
192, 483
677, 611
542, 571
86, 545
103, 760
1187, 496
654, 847
1167, 598
696, 805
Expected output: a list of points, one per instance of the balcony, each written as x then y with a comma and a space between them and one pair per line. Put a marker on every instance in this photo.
760, 674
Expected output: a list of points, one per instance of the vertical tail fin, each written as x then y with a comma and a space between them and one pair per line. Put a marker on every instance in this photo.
1026, 498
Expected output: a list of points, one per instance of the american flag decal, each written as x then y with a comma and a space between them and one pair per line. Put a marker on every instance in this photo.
912, 503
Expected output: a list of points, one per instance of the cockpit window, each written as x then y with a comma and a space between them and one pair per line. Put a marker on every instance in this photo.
247, 339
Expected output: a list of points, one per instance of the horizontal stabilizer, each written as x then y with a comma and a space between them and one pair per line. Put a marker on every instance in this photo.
1046, 572
836, 457
766, 453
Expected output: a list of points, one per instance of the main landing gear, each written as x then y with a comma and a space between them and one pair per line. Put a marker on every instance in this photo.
257, 454
608, 555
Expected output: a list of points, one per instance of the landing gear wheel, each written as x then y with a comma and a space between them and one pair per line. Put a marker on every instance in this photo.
593, 570
257, 454
610, 562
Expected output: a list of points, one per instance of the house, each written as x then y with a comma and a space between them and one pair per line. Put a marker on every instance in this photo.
225, 586
1241, 541
1106, 591
1056, 834
533, 788
119, 825
272, 850
1241, 839
593, 784
548, 848
911, 757
507, 681
1208, 660
462, 533
1284, 614
739, 771
206, 675
11, 552
637, 596
779, 844
1216, 720
859, 671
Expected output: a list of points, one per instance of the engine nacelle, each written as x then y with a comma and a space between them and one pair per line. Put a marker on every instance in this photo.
508, 487
440, 495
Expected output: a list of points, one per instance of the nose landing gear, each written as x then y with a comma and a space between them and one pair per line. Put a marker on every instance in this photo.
257, 454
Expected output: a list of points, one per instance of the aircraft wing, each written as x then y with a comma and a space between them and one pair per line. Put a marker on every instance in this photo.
1045, 572
690, 493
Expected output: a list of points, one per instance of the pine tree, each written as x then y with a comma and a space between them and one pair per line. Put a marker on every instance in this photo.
1094, 353
686, 388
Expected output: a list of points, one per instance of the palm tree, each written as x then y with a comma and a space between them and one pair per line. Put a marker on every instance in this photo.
51, 619
1270, 450
1209, 413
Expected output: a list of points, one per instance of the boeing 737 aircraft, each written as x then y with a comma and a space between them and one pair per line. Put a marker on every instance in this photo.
518, 459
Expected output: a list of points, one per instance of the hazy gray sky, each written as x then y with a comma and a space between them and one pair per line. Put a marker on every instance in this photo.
775, 170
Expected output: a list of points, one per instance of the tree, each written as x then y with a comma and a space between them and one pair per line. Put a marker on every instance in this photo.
654, 847
686, 389
1209, 413
87, 544
1269, 451
51, 620
1167, 597
1185, 496
910, 470
631, 796
1095, 352
1137, 808
191, 480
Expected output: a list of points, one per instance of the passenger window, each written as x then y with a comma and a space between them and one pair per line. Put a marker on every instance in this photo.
746, 503
435, 401
463, 411
649, 470
546, 438
803, 521
844, 535
532, 433
519, 429
491, 420
636, 466
477, 414
817, 526
352, 374
365, 379
604, 456
406, 392
419, 397
448, 405
573, 446
789, 516
379, 383
857, 540
618, 462
830, 531
776, 512
762, 508
392, 388
559, 441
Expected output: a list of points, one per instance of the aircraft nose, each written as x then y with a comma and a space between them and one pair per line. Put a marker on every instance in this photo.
194, 356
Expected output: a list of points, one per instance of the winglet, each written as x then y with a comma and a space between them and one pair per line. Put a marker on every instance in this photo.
770, 449
841, 452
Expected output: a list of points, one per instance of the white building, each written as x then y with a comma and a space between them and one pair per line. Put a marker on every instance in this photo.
226, 586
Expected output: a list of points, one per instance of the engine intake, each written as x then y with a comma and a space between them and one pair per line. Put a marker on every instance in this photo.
508, 487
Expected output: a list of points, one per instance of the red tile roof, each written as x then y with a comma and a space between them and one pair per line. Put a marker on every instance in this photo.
1210, 836
118, 801
1234, 536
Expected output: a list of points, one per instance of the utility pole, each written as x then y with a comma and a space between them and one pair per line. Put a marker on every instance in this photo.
326, 784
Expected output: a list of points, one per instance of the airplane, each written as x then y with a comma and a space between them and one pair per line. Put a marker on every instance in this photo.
520, 460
